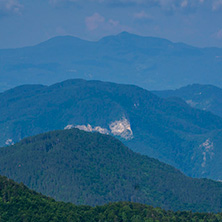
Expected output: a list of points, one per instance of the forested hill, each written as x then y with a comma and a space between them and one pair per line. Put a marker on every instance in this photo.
205, 97
172, 131
18, 203
91, 168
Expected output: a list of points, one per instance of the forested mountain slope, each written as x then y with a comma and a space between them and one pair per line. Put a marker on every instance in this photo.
171, 131
18, 203
205, 97
91, 168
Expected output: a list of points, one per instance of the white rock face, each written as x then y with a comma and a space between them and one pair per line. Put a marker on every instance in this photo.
89, 128
121, 128
9, 142
101, 130
207, 150
69, 127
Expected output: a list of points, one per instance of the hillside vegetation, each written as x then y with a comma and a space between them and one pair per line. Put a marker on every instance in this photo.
172, 131
204, 97
91, 168
18, 203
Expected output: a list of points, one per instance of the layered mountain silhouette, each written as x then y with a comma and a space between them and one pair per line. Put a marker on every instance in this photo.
91, 168
152, 63
172, 131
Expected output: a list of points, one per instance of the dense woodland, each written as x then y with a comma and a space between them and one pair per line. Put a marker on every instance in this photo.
18, 203
94, 169
170, 131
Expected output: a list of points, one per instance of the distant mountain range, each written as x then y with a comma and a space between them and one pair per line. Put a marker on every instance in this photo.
205, 97
18, 203
151, 63
91, 168
170, 130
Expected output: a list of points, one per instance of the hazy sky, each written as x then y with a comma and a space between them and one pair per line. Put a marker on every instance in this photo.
27, 22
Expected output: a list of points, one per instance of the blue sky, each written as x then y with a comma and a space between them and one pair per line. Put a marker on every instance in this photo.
27, 22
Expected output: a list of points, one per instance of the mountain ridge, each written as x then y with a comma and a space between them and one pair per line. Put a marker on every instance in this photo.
91, 168
171, 131
124, 58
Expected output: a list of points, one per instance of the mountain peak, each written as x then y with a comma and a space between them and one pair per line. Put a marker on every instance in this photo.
126, 39
66, 40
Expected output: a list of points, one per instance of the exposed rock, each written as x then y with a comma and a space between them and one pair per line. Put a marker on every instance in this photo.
9, 142
207, 151
121, 128
89, 128
101, 130
69, 127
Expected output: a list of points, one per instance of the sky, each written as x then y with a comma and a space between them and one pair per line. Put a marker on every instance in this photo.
28, 22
